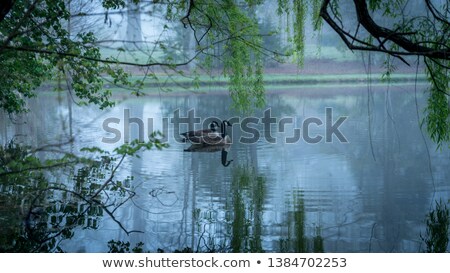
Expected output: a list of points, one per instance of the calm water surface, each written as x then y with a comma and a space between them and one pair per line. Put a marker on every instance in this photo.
368, 195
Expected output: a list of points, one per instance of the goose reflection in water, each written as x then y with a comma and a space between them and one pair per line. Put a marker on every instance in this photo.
212, 149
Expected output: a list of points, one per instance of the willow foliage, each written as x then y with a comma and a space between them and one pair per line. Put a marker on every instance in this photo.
402, 29
37, 46
437, 116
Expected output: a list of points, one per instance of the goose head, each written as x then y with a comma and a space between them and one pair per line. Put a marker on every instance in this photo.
213, 126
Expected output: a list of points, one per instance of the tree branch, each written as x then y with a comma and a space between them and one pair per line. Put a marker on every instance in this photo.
15, 32
382, 35
5, 8
380, 32
186, 17
436, 13
67, 54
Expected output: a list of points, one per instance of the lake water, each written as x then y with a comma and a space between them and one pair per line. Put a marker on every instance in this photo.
370, 194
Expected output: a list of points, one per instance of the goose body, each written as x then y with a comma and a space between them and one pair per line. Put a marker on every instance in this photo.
197, 137
214, 139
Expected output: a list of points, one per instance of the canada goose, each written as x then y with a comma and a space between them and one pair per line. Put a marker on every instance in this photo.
197, 136
218, 139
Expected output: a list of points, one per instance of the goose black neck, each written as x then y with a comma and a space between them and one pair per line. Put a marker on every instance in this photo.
225, 162
224, 129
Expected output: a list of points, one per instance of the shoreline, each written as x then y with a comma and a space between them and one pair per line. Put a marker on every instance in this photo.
205, 84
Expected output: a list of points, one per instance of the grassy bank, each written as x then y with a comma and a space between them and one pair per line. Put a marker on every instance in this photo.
205, 83
276, 81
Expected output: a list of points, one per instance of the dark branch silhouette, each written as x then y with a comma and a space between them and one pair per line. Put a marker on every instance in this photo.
5, 8
384, 35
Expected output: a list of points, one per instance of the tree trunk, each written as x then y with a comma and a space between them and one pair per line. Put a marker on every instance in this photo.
134, 32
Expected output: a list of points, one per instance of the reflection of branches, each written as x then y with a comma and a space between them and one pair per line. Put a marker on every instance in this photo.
201, 237
38, 168
31, 231
90, 201
157, 192
111, 176
47, 219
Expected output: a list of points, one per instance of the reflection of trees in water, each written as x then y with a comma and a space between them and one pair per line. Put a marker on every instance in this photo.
31, 201
42, 202
237, 227
295, 227
394, 146
218, 105
244, 225
40, 214
248, 190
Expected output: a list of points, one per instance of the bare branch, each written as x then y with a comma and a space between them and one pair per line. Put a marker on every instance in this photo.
380, 32
186, 17
436, 14
108, 61
382, 35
